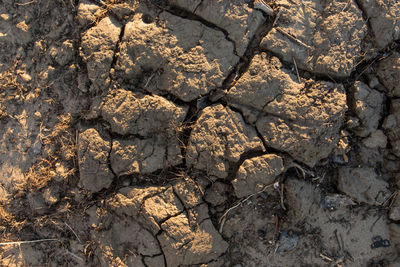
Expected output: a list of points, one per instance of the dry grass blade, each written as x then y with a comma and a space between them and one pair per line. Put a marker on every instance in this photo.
72, 230
279, 29
297, 70
74, 255
223, 217
28, 242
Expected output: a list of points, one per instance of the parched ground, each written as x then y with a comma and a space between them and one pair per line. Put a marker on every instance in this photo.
200, 133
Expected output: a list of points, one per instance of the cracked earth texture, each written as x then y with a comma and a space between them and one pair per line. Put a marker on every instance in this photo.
200, 133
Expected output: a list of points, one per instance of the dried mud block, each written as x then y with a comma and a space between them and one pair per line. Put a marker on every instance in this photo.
88, 13
323, 37
363, 185
185, 58
93, 154
162, 206
357, 233
143, 155
149, 205
394, 213
190, 238
182, 225
189, 192
129, 200
144, 115
367, 104
255, 173
155, 261
235, 17
384, 17
391, 124
217, 194
218, 139
122, 234
375, 139
302, 119
389, 73
98, 45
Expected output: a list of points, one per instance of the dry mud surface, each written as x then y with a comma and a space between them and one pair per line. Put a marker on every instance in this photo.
200, 133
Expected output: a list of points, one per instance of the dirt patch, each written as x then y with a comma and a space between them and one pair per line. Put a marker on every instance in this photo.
202, 133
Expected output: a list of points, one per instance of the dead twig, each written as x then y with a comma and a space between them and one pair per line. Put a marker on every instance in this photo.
277, 18
276, 229
347, 4
390, 200
261, 5
325, 257
367, 67
223, 217
281, 193
298, 167
25, 4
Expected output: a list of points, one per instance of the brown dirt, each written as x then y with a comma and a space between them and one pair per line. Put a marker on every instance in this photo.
199, 133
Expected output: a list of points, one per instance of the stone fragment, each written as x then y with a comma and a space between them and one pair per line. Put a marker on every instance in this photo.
98, 45
389, 73
391, 124
323, 37
363, 185
144, 115
143, 155
235, 17
191, 239
255, 173
302, 119
384, 18
218, 139
93, 153
185, 58
367, 104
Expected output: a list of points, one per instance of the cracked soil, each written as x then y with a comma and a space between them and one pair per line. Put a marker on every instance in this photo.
200, 133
